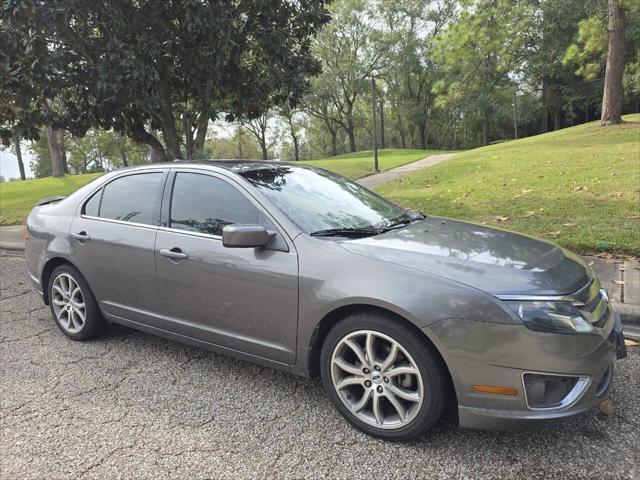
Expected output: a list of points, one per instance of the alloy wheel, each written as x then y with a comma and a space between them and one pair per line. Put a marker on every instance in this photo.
377, 379
68, 303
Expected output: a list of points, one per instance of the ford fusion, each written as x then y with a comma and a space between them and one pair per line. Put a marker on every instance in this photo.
402, 314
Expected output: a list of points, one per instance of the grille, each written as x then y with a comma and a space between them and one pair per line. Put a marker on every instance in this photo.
593, 303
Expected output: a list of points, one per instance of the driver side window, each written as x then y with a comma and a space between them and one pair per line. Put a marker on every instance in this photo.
205, 204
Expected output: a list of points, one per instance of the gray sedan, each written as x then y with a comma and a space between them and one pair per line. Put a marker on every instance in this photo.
402, 314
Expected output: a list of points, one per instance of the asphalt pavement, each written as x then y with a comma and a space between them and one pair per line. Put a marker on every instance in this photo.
132, 405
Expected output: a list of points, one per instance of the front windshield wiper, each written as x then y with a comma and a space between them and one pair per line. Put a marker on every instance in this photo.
401, 221
347, 232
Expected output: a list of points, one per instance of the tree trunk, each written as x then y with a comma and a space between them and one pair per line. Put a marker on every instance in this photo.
201, 136
557, 119
296, 148
168, 119
57, 167
485, 131
263, 144
240, 154
401, 131
545, 100
188, 136
334, 143
294, 137
351, 133
155, 156
16, 143
125, 162
63, 150
612, 96
422, 127
382, 142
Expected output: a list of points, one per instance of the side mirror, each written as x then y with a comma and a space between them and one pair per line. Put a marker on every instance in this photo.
246, 236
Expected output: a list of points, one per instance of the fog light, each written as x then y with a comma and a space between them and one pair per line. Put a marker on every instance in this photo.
552, 391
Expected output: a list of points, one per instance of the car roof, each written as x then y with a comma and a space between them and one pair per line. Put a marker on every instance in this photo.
237, 166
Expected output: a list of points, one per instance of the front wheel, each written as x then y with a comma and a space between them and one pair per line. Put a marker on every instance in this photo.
383, 377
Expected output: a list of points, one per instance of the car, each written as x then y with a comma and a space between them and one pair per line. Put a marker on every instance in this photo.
402, 314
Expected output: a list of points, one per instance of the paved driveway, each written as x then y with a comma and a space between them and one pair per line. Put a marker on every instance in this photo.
131, 405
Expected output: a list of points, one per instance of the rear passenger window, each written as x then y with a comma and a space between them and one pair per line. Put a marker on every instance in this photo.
206, 204
92, 206
132, 198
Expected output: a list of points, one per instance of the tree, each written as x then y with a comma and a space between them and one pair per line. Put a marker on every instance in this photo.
411, 27
289, 116
480, 50
170, 66
261, 129
346, 49
319, 103
238, 145
612, 96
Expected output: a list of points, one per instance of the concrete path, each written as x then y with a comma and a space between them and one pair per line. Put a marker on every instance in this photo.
12, 239
621, 278
372, 181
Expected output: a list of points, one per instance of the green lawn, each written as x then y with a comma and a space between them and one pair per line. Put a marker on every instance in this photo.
579, 187
18, 198
359, 164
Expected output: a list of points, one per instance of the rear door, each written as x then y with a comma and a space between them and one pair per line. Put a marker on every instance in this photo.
242, 299
113, 240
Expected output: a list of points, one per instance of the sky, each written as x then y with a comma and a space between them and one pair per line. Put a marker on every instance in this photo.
9, 163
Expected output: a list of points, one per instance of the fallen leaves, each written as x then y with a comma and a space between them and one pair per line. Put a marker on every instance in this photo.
569, 225
525, 191
501, 219
555, 234
530, 214
630, 343
580, 188
619, 282
607, 408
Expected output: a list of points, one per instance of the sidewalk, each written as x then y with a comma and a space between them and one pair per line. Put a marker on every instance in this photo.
373, 180
621, 278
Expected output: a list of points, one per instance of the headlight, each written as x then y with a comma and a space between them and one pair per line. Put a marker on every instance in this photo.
551, 317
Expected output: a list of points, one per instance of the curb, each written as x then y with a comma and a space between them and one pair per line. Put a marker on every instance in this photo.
12, 248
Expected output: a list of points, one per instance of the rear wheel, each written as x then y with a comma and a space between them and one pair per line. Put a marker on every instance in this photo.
383, 377
73, 306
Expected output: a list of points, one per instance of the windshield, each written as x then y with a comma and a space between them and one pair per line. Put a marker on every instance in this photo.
317, 200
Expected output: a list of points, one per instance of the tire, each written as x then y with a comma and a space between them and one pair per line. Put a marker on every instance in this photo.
420, 392
64, 307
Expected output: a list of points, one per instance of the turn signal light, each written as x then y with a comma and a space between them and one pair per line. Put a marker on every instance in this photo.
496, 390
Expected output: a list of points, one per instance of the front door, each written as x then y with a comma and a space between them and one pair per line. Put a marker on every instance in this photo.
114, 240
242, 299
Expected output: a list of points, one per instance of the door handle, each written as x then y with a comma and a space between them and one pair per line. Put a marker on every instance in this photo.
81, 236
175, 253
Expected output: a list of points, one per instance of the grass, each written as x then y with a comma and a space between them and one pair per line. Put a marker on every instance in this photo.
359, 164
579, 187
18, 198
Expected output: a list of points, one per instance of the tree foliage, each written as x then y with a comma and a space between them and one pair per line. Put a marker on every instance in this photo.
141, 66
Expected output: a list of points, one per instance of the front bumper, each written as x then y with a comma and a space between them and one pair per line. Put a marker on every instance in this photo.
481, 353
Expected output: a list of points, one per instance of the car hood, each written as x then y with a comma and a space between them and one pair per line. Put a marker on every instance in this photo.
493, 260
